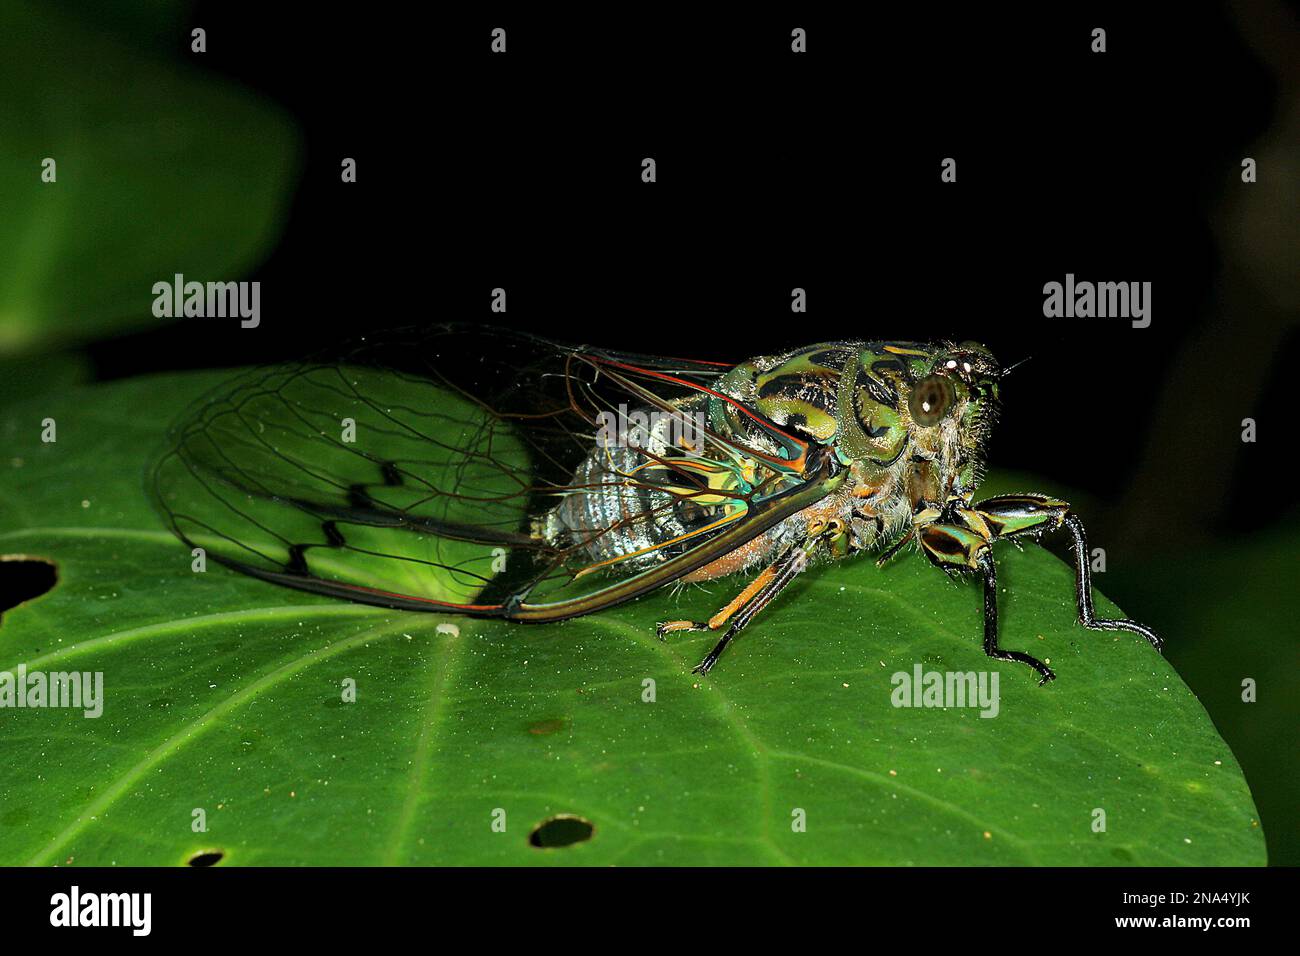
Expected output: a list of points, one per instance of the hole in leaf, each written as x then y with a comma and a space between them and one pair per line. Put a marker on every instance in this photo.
207, 858
23, 578
562, 830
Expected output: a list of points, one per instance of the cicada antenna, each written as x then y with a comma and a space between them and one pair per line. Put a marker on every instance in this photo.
1014, 365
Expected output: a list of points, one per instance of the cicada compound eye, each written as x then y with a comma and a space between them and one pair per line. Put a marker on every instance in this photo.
931, 399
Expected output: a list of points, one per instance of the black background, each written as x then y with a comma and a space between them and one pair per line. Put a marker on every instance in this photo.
775, 170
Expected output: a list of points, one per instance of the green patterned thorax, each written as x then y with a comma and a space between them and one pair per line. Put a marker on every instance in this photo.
869, 400
798, 390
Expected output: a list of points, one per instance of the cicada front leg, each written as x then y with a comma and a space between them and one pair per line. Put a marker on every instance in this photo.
1011, 516
964, 544
955, 547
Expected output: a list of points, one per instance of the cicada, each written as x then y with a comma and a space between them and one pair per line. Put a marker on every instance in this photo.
496, 474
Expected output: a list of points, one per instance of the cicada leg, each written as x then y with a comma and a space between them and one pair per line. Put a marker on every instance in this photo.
770, 582
724, 615
953, 547
991, 648
964, 545
1009, 516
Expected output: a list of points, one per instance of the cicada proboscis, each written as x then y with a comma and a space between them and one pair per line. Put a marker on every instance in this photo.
496, 474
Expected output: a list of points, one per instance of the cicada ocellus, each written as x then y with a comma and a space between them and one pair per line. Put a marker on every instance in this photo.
496, 474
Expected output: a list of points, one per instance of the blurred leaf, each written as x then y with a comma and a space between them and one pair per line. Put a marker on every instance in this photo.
223, 693
160, 170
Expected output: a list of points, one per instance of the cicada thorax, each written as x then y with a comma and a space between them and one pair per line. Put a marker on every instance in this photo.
797, 390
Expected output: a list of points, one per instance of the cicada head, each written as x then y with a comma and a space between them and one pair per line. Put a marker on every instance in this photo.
923, 412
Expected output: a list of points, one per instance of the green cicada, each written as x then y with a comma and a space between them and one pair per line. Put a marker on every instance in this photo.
496, 474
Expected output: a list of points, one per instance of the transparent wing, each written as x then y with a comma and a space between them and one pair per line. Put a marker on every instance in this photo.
421, 471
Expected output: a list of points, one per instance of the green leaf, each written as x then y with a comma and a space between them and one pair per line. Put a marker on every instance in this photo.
36, 374
1234, 623
160, 170
224, 694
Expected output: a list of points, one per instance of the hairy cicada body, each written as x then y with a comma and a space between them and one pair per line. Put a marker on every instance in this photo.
496, 474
